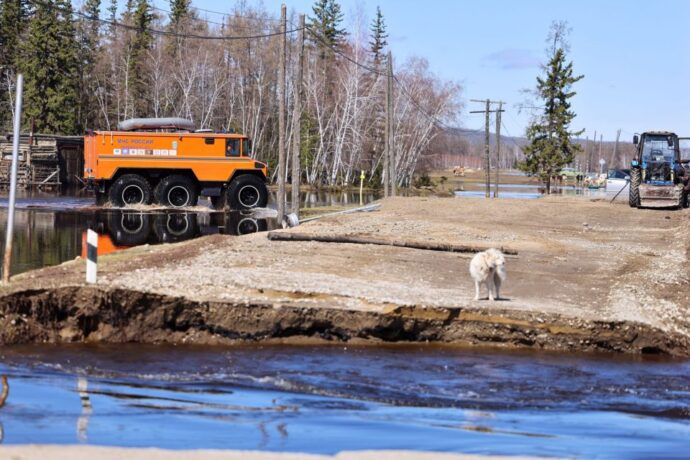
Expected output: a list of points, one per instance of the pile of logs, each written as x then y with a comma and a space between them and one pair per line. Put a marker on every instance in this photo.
38, 162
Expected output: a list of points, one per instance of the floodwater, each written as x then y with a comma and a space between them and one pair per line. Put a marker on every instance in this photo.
328, 399
50, 228
533, 191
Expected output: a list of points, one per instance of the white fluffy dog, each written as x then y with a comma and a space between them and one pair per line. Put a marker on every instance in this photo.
489, 268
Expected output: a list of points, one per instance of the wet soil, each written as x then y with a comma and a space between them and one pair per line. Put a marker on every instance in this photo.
589, 276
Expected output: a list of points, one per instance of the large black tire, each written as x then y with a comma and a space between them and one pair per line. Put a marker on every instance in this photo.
128, 228
247, 192
173, 227
176, 191
130, 190
634, 195
237, 223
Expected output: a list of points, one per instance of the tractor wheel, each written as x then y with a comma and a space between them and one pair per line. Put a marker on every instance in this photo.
683, 200
246, 192
130, 190
634, 196
176, 191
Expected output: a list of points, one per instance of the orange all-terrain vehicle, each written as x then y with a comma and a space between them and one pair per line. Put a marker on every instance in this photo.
165, 161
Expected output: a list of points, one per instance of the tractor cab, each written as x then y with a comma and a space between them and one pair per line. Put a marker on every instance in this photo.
657, 170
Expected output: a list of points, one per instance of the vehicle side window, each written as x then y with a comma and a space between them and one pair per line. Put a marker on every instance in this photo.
232, 148
209, 140
247, 147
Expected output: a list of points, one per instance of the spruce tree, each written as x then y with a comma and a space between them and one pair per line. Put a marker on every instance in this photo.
112, 18
50, 65
13, 18
89, 50
179, 15
179, 10
325, 26
140, 44
551, 146
378, 37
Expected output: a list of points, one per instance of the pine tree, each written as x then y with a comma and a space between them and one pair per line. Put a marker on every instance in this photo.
551, 147
378, 37
50, 65
140, 44
325, 26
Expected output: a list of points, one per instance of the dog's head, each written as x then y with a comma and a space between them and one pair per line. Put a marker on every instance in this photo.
497, 261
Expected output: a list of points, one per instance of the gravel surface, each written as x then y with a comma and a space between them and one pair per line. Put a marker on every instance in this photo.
579, 259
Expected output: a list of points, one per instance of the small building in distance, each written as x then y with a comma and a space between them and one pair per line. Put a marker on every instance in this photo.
45, 160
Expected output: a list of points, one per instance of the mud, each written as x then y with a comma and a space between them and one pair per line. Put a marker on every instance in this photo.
90, 314
590, 277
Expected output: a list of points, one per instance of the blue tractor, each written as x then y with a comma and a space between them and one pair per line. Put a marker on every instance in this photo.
658, 174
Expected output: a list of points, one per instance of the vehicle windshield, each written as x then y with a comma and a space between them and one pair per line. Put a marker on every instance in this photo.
656, 148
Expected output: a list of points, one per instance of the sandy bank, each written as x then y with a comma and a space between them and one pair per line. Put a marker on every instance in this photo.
589, 276
42, 452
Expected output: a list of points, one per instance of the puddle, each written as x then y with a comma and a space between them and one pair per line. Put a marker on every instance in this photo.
529, 191
327, 399
50, 227
48, 237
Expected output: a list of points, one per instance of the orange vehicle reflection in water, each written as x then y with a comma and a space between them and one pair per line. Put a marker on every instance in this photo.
118, 230
105, 245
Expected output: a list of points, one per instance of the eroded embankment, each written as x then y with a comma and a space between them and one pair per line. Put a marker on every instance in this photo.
92, 314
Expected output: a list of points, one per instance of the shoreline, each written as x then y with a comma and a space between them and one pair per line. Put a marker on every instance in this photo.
229, 290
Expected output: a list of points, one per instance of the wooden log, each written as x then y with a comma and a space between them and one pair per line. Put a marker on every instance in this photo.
428, 246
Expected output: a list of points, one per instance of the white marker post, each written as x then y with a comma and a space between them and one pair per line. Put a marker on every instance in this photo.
7, 259
91, 256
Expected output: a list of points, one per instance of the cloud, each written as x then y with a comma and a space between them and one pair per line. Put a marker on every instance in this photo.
513, 58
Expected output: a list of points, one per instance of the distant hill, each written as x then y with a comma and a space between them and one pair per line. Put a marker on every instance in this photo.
476, 137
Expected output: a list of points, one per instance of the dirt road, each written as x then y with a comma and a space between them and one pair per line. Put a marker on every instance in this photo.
588, 276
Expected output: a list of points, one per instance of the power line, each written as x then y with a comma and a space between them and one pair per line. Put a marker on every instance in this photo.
222, 24
160, 32
510, 136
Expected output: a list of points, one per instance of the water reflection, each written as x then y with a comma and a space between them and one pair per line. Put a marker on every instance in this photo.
527, 191
86, 409
125, 229
49, 237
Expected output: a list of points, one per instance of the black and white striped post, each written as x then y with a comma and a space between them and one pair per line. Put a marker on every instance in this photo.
91, 256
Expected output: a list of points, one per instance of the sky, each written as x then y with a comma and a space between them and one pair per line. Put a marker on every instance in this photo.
635, 55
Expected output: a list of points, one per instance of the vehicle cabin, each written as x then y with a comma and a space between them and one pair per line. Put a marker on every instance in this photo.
165, 161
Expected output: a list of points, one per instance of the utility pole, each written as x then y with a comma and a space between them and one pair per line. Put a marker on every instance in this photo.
388, 155
7, 257
297, 122
281, 113
601, 140
487, 148
386, 141
615, 149
392, 174
498, 145
591, 152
